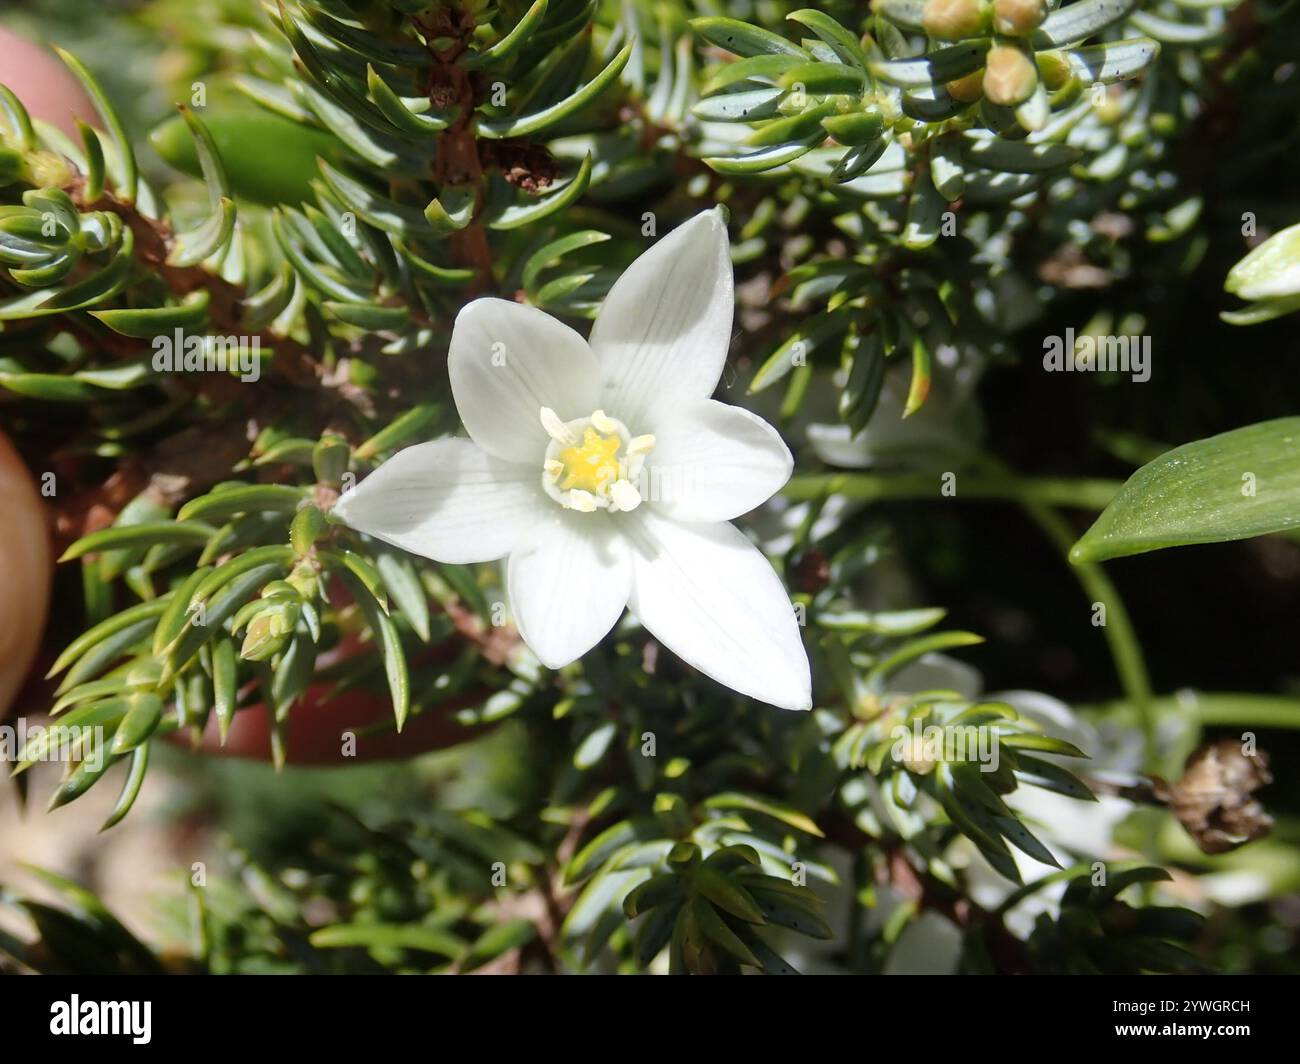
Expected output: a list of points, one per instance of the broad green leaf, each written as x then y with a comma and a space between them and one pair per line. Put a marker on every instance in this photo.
1235, 485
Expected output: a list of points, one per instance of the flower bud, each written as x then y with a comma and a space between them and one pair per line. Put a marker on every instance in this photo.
915, 757
1054, 69
1018, 18
1271, 270
967, 89
1010, 76
954, 20
269, 631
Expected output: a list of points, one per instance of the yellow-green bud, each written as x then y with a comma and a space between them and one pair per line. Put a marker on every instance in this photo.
1010, 76
917, 759
954, 20
46, 169
967, 89
269, 631
1054, 70
1018, 18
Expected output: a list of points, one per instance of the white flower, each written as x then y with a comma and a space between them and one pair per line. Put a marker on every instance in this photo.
607, 476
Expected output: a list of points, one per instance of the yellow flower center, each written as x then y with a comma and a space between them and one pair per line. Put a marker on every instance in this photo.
593, 465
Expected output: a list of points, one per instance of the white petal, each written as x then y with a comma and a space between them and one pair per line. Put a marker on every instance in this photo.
448, 500
713, 462
710, 596
568, 582
663, 331
506, 362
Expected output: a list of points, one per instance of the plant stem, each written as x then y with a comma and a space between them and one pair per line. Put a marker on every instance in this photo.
1090, 494
1121, 637
1223, 708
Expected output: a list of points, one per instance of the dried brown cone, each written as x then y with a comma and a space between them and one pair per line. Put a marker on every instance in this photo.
1213, 800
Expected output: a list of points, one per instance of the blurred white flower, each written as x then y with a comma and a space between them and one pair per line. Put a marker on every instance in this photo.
944, 433
1073, 830
607, 476
929, 945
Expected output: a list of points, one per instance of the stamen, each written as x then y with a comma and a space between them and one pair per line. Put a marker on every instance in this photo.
582, 501
554, 469
555, 428
603, 423
641, 444
624, 495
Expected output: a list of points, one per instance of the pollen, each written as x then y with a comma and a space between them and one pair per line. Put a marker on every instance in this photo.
593, 465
